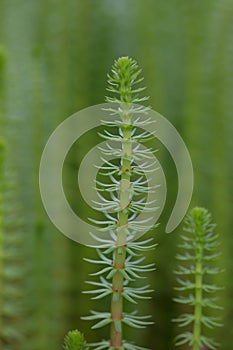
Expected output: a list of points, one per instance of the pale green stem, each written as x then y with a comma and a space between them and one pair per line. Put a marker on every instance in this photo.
120, 254
198, 298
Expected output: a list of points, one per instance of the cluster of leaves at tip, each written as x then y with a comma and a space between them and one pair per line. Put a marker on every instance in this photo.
74, 340
197, 266
121, 198
123, 80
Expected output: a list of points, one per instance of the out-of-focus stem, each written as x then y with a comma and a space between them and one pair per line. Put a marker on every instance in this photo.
1, 234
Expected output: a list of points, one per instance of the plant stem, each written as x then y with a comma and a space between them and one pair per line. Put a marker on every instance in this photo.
120, 253
198, 295
1, 238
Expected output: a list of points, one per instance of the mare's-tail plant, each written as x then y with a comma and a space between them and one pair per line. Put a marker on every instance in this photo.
122, 198
12, 273
12, 269
1, 236
199, 244
74, 340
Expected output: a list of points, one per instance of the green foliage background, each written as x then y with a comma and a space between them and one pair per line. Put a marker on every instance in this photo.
54, 58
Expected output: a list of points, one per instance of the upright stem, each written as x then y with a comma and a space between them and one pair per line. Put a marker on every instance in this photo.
198, 295
120, 252
1, 238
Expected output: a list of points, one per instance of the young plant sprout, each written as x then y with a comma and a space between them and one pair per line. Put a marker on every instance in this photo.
74, 340
199, 245
120, 255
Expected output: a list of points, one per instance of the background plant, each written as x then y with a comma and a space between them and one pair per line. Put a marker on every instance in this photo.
13, 314
197, 264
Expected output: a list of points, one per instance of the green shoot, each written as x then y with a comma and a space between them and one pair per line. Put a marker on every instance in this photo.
127, 193
74, 340
199, 254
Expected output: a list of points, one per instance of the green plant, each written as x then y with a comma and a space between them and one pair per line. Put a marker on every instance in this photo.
12, 269
74, 340
125, 196
199, 245
1, 234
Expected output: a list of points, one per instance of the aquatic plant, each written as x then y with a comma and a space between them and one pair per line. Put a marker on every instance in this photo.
197, 263
127, 189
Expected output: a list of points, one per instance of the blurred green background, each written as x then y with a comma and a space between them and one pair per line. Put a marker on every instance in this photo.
54, 58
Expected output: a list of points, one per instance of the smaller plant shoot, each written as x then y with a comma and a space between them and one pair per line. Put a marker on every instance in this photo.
74, 340
199, 254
